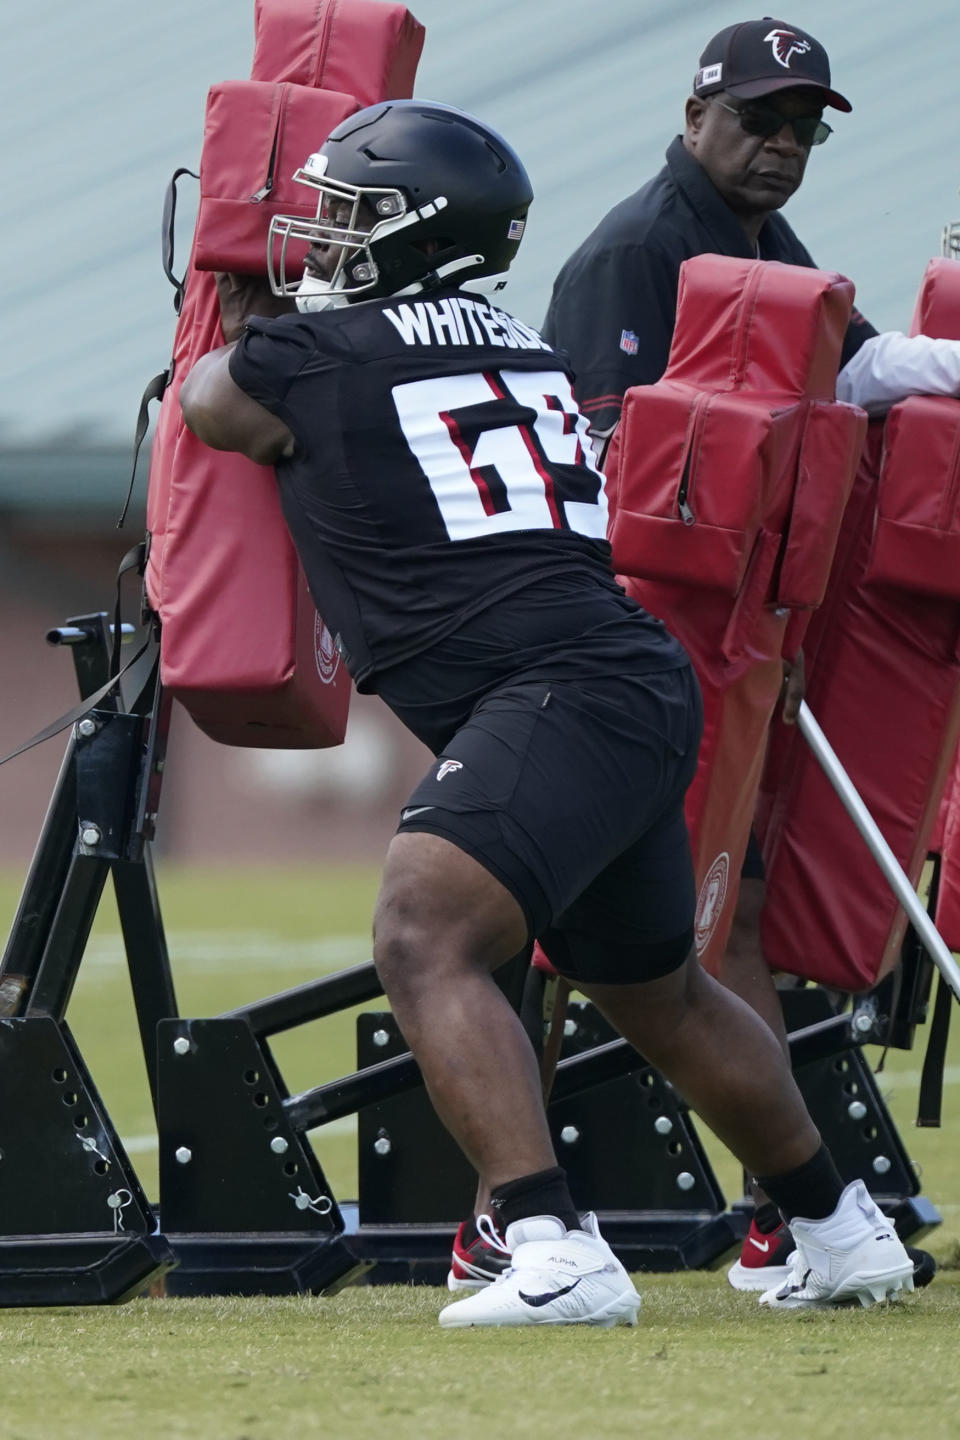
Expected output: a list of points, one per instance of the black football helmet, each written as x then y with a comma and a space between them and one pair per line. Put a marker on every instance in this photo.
412, 195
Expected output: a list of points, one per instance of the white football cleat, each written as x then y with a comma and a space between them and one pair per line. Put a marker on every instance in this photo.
854, 1254
556, 1277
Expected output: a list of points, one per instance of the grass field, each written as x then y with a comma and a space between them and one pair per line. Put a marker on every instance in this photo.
371, 1361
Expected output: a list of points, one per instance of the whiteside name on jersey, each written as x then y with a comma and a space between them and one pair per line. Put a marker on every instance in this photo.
457, 320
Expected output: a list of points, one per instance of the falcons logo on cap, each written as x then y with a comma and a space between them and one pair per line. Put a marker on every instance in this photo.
785, 43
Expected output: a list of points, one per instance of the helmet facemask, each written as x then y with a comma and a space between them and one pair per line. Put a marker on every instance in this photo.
349, 219
354, 220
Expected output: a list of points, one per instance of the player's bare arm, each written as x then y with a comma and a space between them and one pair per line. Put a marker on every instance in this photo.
215, 408
221, 415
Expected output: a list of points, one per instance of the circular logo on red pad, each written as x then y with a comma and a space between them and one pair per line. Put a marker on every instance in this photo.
713, 892
325, 649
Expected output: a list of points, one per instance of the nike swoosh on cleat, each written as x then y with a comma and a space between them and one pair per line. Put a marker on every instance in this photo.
764, 1247
537, 1300
789, 1290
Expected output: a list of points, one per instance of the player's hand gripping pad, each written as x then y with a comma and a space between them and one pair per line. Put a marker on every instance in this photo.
728, 479
884, 684
242, 646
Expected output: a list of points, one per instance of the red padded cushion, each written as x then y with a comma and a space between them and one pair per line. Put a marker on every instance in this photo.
364, 48
937, 311
917, 539
759, 326
257, 135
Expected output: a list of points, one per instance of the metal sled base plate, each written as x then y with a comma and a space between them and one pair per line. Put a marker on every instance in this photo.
261, 1264
913, 1215
79, 1269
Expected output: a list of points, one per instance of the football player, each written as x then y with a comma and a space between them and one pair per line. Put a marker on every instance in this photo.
435, 477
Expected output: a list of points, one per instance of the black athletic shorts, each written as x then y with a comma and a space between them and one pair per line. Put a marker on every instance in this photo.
572, 796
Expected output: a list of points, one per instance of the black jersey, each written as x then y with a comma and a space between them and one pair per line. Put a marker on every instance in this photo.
440, 466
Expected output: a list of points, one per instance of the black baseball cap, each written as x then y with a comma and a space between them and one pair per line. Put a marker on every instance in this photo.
757, 57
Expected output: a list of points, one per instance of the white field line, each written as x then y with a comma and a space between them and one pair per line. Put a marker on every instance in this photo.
143, 1144
889, 1080
139, 1144
219, 950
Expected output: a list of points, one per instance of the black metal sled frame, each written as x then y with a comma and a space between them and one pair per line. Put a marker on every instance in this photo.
244, 1205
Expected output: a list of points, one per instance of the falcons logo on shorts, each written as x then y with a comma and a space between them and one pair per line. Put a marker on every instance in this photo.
785, 43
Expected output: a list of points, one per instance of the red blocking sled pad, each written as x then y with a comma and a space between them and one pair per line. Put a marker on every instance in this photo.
946, 844
884, 684
242, 646
728, 480
937, 313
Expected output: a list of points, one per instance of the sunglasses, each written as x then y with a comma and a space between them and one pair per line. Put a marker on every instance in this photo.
764, 120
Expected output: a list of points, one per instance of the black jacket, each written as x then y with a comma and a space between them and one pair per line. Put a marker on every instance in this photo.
614, 301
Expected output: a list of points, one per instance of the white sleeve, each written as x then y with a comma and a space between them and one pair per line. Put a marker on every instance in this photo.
888, 367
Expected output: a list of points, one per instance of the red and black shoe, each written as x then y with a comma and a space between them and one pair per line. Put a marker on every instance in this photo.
763, 1259
478, 1262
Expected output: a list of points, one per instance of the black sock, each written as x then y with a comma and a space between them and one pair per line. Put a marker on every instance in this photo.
767, 1218
543, 1193
811, 1191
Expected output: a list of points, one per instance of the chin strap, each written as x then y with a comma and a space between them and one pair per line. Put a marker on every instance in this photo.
314, 295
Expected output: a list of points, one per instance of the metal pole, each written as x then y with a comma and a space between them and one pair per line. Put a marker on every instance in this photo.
929, 936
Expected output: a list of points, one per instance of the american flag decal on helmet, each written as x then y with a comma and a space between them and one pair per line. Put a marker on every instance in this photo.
515, 229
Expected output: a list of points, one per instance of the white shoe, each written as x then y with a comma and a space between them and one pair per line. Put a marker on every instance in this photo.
854, 1254
557, 1277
